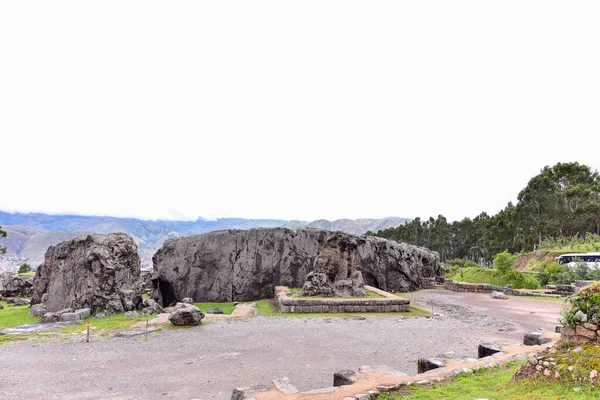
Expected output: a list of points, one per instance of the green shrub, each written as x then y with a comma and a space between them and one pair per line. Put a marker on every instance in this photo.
462, 263
504, 261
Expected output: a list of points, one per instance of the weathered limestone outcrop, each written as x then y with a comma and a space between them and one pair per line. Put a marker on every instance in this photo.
238, 265
336, 269
13, 285
99, 272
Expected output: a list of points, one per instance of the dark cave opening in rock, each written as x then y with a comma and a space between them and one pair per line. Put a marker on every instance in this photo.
167, 293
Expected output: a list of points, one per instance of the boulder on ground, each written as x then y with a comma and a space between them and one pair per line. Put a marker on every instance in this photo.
188, 300
15, 301
499, 295
99, 272
186, 314
37, 310
1, 307
214, 310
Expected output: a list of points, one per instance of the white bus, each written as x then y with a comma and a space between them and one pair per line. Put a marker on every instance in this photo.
591, 259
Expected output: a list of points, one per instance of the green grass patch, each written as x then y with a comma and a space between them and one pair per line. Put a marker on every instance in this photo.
27, 274
494, 384
15, 316
110, 322
496, 278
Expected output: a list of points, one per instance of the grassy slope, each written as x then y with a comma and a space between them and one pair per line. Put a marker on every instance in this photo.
484, 275
494, 384
529, 261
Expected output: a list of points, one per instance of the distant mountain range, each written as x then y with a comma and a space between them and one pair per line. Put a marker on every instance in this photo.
29, 235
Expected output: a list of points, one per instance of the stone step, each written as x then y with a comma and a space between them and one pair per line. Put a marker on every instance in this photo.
284, 386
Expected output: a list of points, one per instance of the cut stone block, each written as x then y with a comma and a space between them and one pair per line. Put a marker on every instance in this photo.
487, 349
346, 377
534, 338
427, 364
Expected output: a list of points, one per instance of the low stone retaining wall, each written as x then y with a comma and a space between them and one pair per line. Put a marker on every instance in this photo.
486, 288
290, 305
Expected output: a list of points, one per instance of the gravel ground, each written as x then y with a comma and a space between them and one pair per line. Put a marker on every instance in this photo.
208, 361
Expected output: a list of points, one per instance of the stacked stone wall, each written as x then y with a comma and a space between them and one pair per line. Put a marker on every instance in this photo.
486, 288
330, 305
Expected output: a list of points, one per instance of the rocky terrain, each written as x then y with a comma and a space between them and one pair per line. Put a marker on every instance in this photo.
99, 272
237, 265
208, 361
29, 235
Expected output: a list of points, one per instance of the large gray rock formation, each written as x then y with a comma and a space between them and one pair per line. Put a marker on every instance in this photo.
99, 272
13, 285
238, 265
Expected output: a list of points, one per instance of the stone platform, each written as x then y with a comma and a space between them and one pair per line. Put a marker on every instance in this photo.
388, 303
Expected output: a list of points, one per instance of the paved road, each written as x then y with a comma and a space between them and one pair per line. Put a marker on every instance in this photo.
208, 361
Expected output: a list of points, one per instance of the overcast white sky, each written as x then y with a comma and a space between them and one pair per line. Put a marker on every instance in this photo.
292, 110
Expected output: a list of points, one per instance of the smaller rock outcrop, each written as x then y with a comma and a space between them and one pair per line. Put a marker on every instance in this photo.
14, 285
100, 272
186, 314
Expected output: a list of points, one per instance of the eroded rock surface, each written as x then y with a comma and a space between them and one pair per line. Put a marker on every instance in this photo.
238, 265
99, 272
14, 285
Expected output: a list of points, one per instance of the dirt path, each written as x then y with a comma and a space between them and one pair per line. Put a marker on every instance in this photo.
208, 361
508, 319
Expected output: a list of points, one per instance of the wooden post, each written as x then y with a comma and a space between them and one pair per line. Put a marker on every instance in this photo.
88, 334
146, 330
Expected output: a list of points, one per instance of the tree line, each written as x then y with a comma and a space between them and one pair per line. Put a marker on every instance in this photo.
561, 201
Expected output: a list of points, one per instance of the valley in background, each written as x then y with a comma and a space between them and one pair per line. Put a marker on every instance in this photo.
30, 234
